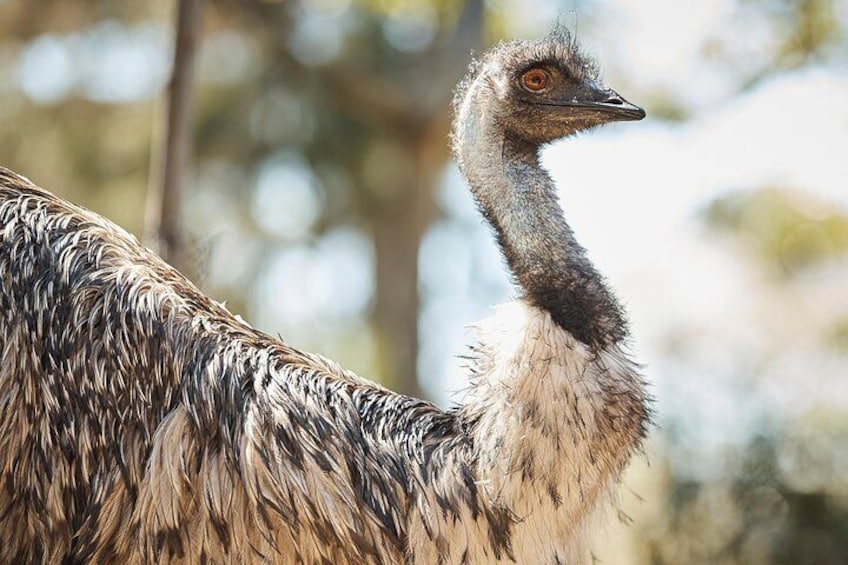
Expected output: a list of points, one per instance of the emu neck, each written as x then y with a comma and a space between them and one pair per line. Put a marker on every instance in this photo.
518, 198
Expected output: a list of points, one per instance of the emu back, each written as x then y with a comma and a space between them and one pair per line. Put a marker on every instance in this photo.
129, 423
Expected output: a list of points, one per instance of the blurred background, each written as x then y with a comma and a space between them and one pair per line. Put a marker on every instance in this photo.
320, 203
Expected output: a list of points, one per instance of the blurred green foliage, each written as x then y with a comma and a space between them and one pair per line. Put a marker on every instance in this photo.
809, 28
755, 512
838, 336
788, 231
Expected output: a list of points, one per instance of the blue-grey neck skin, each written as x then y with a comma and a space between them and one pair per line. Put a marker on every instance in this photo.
519, 199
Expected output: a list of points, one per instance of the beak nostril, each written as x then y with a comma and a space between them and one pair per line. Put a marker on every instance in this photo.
610, 96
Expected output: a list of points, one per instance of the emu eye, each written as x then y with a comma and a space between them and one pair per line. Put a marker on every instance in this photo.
535, 80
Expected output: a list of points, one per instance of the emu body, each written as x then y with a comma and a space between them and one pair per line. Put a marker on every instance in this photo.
141, 422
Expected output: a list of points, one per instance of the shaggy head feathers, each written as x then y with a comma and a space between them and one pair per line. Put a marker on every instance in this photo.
503, 64
558, 47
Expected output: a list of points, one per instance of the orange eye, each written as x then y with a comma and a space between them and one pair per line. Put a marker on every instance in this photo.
535, 80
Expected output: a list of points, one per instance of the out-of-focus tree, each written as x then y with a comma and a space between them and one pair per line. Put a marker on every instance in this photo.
164, 232
366, 94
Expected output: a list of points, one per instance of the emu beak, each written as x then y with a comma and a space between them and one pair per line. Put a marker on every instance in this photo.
610, 103
602, 104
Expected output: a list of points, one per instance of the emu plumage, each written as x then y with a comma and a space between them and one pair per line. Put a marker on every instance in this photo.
141, 422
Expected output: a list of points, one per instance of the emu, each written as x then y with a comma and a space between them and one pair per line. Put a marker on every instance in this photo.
141, 422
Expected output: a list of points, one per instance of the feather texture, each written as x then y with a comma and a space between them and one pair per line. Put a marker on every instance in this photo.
141, 422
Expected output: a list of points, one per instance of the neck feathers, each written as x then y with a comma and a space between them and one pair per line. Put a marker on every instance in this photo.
518, 198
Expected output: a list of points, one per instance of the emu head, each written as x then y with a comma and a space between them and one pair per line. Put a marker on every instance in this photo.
539, 91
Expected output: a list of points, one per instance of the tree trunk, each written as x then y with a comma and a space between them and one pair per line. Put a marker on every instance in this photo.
401, 216
399, 222
164, 210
